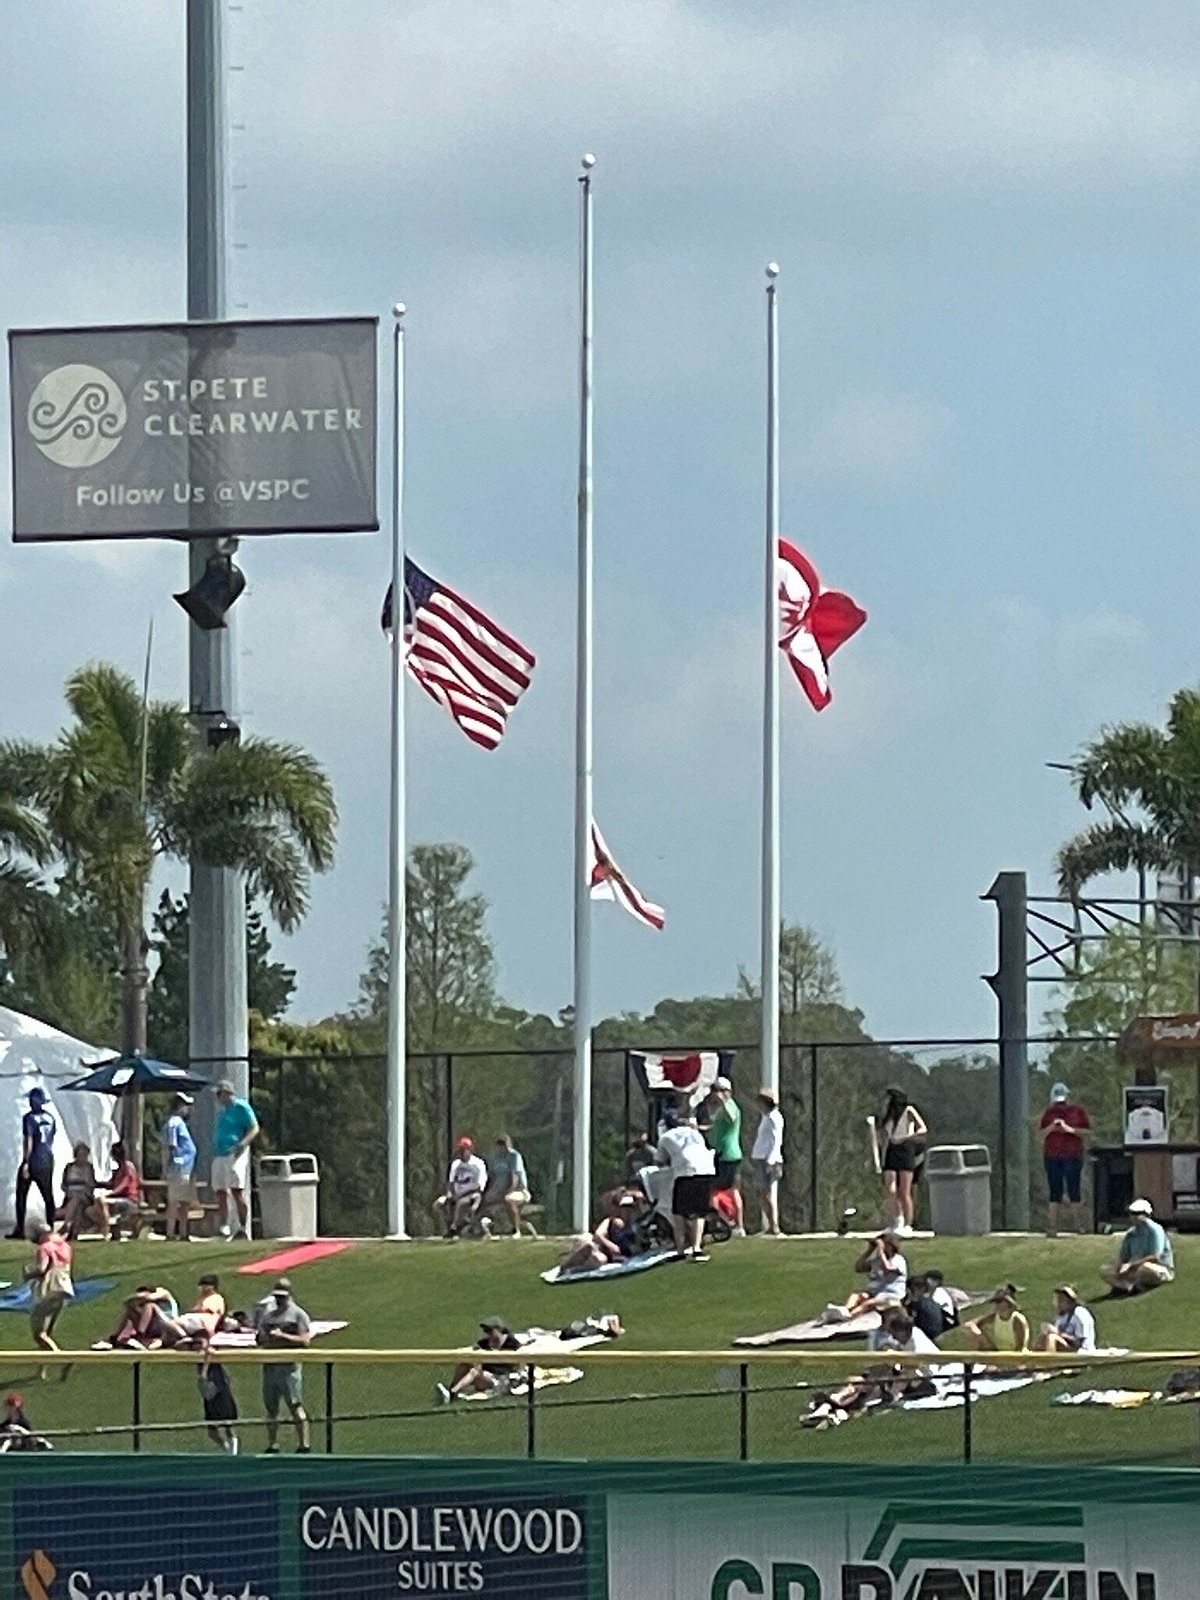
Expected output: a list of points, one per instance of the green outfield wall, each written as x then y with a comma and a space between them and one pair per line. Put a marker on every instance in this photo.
325, 1528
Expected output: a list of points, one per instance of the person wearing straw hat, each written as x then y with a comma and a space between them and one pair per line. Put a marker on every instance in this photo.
1003, 1326
1073, 1330
1145, 1259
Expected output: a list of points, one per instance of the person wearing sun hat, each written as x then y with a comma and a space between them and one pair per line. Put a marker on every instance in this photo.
1002, 1326
1063, 1127
1145, 1259
1073, 1330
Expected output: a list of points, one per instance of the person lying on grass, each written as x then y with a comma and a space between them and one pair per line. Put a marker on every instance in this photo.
482, 1377
878, 1385
1145, 1259
887, 1280
1003, 1326
1074, 1327
614, 1238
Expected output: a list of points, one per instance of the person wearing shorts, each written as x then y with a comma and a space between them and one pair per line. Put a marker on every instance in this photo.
179, 1164
53, 1290
284, 1324
1063, 1128
236, 1130
220, 1407
725, 1137
693, 1168
766, 1156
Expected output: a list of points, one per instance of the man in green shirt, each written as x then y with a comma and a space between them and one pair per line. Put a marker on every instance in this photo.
725, 1140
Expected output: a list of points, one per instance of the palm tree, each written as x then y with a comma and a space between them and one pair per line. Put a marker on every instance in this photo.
26, 909
1148, 779
126, 786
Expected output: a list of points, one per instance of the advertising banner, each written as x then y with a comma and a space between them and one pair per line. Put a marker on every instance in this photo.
510, 1547
802, 1548
157, 1544
185, 430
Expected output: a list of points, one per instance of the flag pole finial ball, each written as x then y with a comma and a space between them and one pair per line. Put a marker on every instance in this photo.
772, 269
399, 309
589, 161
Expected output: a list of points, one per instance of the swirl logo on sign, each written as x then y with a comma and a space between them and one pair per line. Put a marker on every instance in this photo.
77, 415
37, 1574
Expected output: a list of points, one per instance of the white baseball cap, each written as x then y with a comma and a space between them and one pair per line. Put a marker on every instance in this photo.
722, 1083
1059, 1093
1140, 1208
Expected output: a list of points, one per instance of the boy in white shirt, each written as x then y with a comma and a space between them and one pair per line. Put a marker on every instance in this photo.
693, 1165
465, 1183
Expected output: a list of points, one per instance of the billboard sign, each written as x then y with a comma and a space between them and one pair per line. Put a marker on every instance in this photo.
518, 1547
186, 430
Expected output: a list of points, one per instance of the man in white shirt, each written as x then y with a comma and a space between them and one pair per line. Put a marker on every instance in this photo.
766, 1157
465, 1183
879, 1384
693, 1166
1074, 1327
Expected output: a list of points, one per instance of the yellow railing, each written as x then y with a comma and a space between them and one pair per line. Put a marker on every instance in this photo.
323, 1355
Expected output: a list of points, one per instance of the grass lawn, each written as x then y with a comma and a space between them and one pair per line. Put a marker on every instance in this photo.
432, 1294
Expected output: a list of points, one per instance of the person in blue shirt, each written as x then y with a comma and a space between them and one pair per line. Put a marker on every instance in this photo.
38, 1128
1145, 1259
179, 1165
236, 1130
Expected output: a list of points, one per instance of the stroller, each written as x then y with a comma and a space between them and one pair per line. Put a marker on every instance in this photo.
655, 1225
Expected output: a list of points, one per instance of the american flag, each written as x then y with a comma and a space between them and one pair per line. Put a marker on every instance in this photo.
460, 657
813, 623
606, 881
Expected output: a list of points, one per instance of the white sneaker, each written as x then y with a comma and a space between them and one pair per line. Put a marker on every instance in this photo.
443, 1394
737, 1233
231, 1447
834, 1313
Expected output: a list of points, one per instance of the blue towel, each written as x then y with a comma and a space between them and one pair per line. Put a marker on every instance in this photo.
21, 1298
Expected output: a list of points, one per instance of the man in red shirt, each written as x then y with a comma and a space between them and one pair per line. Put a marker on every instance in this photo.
124, 1193
1064, 1126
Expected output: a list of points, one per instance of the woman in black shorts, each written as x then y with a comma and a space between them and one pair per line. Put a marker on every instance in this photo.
902, 1138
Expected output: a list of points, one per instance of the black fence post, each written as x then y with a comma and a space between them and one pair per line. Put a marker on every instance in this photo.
967, 1442
530, 1414
137, 1405
744, 1411
449, 1111
329, 1408
813, 1136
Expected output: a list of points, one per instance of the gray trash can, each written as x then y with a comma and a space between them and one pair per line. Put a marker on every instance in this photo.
960, 1188
287, 1196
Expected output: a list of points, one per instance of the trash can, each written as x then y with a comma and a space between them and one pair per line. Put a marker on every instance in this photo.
960, 1188
287, 1196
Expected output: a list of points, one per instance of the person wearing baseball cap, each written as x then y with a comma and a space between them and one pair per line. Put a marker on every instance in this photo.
1145, 1259
724, 1135
234, 1131
1064, 1127
465, 1183
482, 1377
178, 1165
1074, 1327
38, 1128
282, 1324
887, 1279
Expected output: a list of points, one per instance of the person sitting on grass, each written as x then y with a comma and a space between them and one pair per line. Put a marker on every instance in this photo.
124, 1194
614, 1238
1145, 1259
879, 1384
465, 1183
887, 1280
1003, 1326
482, 1377
931, 1305
1073, 1330
82, 1199
136, 1327
16, 1430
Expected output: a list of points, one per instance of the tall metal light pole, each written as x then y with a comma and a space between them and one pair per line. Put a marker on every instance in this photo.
217, 1029
770, 897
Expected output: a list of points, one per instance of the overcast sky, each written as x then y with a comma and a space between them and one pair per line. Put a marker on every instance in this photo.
987, 222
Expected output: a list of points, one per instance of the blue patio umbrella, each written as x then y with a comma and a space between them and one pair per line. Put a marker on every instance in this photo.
137, 1075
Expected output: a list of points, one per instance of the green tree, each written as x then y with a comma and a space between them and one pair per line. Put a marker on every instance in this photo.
126, 785
270, 984
451, 965
26, 909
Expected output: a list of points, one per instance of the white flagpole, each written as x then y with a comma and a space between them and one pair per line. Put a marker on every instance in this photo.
769, 974
582, 1147
397, 1059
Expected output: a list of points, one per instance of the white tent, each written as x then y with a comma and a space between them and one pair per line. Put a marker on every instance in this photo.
32, 1053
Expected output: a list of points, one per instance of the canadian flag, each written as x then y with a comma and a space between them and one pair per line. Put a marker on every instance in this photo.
606, 881
813, 622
